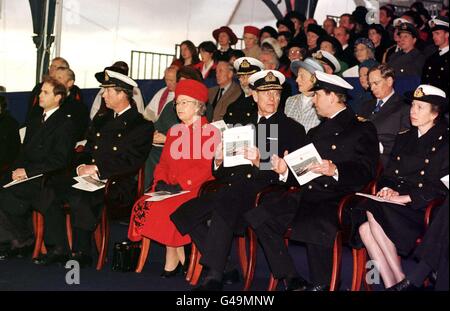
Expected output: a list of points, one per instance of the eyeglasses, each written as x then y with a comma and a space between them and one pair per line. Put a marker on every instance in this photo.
184, 102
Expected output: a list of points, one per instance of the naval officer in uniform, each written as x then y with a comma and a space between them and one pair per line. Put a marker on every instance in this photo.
349, 149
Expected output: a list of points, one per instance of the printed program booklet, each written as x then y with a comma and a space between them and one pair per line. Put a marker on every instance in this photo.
375, 198
16, 182
301, 160
234, 140
162, 195
89, 183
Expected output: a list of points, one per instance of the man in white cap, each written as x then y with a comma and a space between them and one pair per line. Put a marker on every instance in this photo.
226, 206
243, 108
435, 70
118, 142
349, 151
300, 107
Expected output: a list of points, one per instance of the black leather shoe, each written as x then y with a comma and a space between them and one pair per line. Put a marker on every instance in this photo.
83, 259
231, 277
317, 288
174, 272
403, 286
52, 259
296, 284
209, 286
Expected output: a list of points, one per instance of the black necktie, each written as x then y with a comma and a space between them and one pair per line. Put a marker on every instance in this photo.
43, 118
116, 115
218, 96
262, 120
378, 106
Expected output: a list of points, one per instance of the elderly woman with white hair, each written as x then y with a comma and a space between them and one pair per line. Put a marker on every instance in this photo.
185, 164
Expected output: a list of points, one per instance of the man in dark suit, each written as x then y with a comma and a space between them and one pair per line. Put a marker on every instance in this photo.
33, 102
118, 142
72, 105
47, 148
241, 111
349, 149
276, 133
388, 111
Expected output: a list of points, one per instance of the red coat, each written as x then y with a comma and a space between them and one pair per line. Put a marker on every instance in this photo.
151, 219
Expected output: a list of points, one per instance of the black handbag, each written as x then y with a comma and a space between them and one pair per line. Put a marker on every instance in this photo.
125, 256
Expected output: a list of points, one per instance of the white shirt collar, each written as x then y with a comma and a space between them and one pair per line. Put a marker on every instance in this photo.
337, 113
345, 46
443, 51
123, 111
49, 113
386, 98
267, 117
225, 88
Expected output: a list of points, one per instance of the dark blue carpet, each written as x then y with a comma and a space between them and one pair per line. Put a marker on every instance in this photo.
22, 274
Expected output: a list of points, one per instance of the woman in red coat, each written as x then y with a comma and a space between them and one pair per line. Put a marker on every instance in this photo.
185, 164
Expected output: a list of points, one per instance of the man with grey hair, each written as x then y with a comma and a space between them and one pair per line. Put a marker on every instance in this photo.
163, 96
225, 93
388, 111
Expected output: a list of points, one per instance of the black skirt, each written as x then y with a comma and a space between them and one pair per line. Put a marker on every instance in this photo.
401, 224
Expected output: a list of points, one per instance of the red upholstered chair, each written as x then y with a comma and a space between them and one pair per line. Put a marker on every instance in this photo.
341, 235
195, 268
101, 234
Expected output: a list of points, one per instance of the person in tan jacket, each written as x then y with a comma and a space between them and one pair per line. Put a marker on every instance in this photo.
222, 95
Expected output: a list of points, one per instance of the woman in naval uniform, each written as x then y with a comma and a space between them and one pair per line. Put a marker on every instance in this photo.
419, 160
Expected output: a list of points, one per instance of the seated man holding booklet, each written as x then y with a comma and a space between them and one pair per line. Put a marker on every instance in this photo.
242, 180
118, 142
349, 153
47, 149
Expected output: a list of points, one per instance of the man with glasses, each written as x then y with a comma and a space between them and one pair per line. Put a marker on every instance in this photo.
223, 209
388, 111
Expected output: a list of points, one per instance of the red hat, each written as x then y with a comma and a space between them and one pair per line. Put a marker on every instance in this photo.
228, 31
192, 88
251, 29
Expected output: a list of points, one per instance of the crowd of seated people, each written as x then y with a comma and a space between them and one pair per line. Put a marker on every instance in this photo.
349, 104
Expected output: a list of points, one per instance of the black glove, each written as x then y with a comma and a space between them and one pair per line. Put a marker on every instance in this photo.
162, 186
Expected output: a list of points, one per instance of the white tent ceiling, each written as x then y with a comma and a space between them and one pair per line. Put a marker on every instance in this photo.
97, 33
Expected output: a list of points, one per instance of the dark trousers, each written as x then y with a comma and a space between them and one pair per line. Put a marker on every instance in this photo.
320, 263
270, 221
223, 210
17, 204
85, 208
55, 227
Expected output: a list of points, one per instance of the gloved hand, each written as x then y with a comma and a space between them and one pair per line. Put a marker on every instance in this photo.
163, 186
